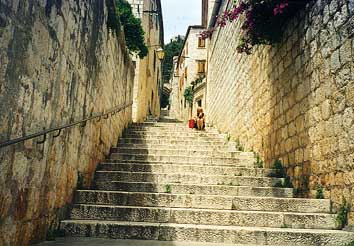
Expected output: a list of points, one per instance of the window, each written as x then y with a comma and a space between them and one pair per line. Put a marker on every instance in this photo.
201, 43
201, 66
185, 73
199, 102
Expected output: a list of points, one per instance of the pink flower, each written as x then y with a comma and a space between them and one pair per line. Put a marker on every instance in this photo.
280, 8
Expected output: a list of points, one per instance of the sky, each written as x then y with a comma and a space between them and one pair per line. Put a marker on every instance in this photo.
178, 15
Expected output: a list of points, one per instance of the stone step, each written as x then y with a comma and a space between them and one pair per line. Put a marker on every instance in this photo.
155, 130
198, 147
211, 163
172, 128
159, 124
199, 189
206, 233
275, 204
152, 199
187, 178
202, 201
187, 168
223, 190
163, 141
204, 216
240, 160
175, 137
180, 152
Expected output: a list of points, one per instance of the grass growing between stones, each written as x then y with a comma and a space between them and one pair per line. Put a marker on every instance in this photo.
342, 217
319, 192
350, 244
239, 147
279, 170
168, 188
52, 234
281, 173
259, 162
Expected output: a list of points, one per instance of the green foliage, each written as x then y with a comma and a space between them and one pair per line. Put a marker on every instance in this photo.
228, 137
80, 180
171, 49
342, 217
263, 21
319, 192
52, 234
198, 80
188, 95
113, 21
239, 147
278, 165
287, 183
279, 169
133, 30
350, 244
168, 188
258, 163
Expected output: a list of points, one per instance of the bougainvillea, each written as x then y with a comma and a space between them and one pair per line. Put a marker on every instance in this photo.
262, 21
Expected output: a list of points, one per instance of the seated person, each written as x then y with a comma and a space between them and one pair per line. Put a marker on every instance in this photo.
200, 119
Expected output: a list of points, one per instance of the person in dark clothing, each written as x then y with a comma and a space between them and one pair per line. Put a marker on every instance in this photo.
200, 119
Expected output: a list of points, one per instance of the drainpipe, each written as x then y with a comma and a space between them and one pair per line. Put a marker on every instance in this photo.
215, 12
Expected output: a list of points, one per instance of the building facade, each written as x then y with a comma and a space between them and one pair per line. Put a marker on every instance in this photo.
190, 71
148, 74
174, 101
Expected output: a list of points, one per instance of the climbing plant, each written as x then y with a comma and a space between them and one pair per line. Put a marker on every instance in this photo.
262, 23
342, 216
188, 95
122, 15
172, 49
198, 80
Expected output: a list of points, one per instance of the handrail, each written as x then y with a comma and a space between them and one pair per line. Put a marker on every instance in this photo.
104, 115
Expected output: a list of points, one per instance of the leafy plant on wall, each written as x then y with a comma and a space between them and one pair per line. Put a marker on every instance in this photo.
188, 95
263, 21
171, 49
122, 15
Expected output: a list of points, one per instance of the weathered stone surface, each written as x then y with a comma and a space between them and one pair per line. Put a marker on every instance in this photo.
292, 101
206, 233
177, 201
59, 63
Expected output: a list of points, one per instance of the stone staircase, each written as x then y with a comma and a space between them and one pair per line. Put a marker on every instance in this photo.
170, 183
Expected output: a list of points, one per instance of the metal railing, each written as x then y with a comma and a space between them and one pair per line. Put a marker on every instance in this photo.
58, 130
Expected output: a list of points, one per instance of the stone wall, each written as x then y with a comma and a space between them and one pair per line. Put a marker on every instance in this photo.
148, 72
293, 101
59, 63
